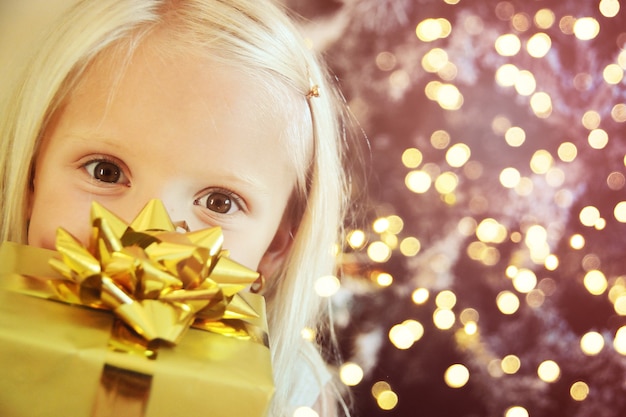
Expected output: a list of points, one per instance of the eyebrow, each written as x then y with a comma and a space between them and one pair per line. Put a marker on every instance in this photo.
228, 178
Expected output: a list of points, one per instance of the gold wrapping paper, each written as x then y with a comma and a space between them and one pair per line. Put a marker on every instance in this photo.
52, 357
157, 283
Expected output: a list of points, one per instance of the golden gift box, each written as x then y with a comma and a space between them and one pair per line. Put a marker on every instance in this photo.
144, 322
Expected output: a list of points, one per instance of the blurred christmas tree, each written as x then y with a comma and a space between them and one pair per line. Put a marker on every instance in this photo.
492, 281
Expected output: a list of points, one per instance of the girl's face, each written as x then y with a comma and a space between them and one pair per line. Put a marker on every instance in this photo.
197, 135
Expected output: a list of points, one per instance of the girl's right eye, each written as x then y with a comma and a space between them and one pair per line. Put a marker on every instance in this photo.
105, 171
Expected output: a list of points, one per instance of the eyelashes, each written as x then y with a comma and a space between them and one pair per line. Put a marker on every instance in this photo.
220, 201
109, 172
106, 171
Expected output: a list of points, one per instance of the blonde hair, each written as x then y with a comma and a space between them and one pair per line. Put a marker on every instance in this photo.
259, 38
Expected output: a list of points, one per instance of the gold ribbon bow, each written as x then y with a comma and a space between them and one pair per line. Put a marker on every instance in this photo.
156, 280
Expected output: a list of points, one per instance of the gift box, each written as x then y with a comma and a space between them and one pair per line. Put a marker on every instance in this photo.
68, 347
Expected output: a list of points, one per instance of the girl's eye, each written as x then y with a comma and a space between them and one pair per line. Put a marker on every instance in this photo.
222, 202
105, 171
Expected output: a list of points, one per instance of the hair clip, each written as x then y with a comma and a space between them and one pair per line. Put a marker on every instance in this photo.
313, 92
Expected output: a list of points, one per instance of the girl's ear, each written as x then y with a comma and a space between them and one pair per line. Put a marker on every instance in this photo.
278, 250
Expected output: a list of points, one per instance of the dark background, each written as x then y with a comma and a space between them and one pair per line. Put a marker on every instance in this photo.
389, 101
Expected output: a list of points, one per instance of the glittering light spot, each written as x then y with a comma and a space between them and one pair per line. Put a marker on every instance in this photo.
396, 224
401, 337
380, 387
564, 198
380, 225
506, 75
386, 61
520, 22
619, 342
507, 302
525, 83
515, 136
420, 295
589, 216
458, 155
456, 376
445, 299
418, 181
595, 282
440, 139
469, 315
613, 74
536, 235
429, 30
412, 158
505, 10
387, 400
446, 182
525, 280
577, 241
538, 45
500, 124
541, 104
567, 151
586, 28
467, 226
579, 391
555, 177
351, 374
490, 231
435, 60
327, 285
544, 18
598, 138
609, 8
620, 305
508, 44
541, 161
582, 81
549, 371
510, 364
511, 271
308, 334
379, 251
516, 411
470, 328
566, 24
591, 119
305, 412
510, 177
356, 239
590, 261
535, 298
415, 327
551, 263
449, 97
399, 80
591, 343
383, 279
410, 246
620, 212
444, 319
494, 369
618, 113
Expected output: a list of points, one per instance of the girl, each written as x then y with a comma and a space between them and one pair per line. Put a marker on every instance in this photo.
218, 108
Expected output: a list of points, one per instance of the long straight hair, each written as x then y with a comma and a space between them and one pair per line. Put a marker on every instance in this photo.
256, 37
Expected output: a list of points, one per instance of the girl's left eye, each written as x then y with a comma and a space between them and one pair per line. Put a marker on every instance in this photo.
221, 202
